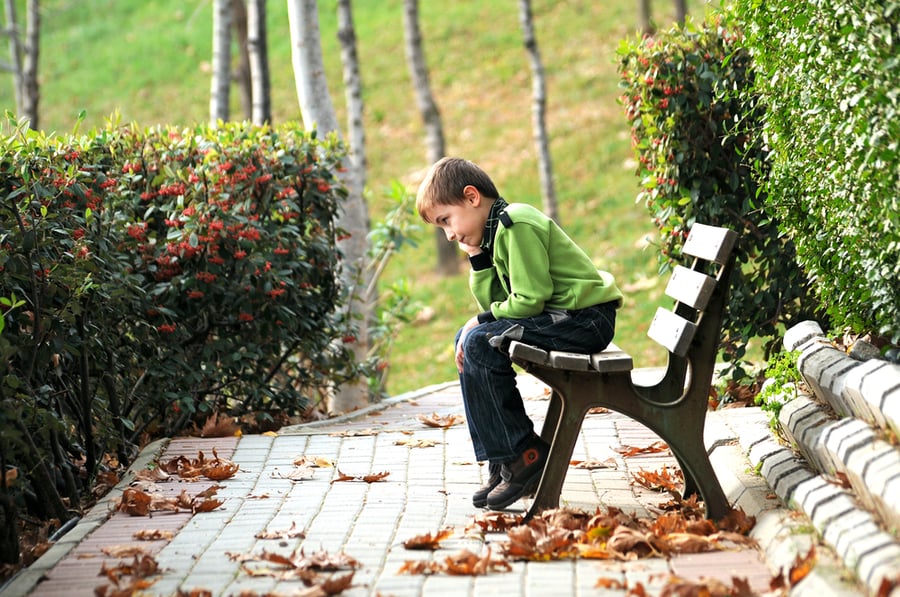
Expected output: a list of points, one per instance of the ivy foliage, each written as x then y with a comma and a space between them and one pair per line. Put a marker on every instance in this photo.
694, 130
828, 73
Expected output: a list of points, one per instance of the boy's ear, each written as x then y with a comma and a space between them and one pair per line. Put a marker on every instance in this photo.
472, 195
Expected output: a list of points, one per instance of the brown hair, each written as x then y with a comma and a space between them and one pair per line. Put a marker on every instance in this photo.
445, 181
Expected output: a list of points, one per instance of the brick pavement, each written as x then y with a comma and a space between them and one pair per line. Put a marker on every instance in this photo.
427, 489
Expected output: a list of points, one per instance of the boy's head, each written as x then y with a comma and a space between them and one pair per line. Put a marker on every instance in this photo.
445, 184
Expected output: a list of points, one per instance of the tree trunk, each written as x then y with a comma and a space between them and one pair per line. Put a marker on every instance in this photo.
15, 52
318, 113
258, 49
221, 62
644, 17
353, 95
242, 74
539, 110
31, 92
447, 252
680, 11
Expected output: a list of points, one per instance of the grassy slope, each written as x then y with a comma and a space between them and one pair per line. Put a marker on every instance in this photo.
149, 62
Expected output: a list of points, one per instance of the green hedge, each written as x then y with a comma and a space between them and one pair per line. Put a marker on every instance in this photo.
151, 278
829, 76
693, 126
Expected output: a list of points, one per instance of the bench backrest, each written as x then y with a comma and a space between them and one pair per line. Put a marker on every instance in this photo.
694, 287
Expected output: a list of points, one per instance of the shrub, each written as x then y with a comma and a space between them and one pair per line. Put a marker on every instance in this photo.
829, 79
151, 278
693, 128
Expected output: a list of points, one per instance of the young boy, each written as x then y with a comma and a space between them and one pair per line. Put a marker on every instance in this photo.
532, 283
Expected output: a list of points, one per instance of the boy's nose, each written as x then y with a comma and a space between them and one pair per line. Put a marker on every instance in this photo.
449, 234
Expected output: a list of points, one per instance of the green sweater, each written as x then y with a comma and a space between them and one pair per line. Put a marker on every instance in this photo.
536, 267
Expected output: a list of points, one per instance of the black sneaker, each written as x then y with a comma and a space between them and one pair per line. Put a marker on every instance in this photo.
479, 498
520, 477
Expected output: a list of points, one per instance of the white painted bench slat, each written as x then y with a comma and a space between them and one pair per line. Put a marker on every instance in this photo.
690, 287
672, 331
710, 243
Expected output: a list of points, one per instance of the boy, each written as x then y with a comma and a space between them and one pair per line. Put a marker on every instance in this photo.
532, 283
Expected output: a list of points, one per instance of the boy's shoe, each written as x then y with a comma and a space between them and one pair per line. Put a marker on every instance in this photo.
479, 498
520, 477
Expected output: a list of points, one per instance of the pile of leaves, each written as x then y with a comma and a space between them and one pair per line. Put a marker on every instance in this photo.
606, 534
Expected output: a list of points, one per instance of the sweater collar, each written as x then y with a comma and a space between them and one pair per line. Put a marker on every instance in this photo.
491, 225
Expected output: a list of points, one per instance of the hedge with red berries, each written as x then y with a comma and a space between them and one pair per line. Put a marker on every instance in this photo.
150, 278
694, 127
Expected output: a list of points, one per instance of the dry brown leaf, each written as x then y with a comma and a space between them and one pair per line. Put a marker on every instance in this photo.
152, 535
354, 433
123, 551
655, 447
370, 478
428, 541
494, 522
206, 505
609, 583
152, 475
134, 502
802, 566
313, 461
462, 563
594, 464
416, 443
219, 470
436, 420
292, 533
661, 480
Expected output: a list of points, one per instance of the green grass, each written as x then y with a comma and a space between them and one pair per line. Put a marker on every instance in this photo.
148, 61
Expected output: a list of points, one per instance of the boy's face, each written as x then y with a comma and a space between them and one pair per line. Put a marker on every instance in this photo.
463, 222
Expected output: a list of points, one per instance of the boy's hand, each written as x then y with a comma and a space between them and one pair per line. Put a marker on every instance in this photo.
462, 338
470, 250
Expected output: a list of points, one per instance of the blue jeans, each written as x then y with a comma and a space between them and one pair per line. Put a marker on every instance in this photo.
499, 427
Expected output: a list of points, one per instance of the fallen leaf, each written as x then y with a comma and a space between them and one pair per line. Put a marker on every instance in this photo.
123, 551
292, 533
427, 541
655, 447
802, 566
416, 443
152, 535
436, 420
370, 478
594, 464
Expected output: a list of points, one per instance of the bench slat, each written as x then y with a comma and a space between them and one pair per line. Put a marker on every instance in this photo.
672, 331
690, 287
527, 352
710, 243
612, 360
570, 361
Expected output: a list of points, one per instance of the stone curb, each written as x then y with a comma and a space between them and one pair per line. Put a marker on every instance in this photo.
837, 431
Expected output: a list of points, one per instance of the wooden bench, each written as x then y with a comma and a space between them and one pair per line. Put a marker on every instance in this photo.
675, 407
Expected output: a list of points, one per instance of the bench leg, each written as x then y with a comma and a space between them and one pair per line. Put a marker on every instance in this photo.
700, 478
561, 448
551, 420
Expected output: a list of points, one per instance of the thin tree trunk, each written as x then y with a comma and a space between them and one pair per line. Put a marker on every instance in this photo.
221, 62
31, 92
447, 252
15, 51
242, 74
680, 11
318, 113
257, 48
539, 110
353, 94
644, 16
